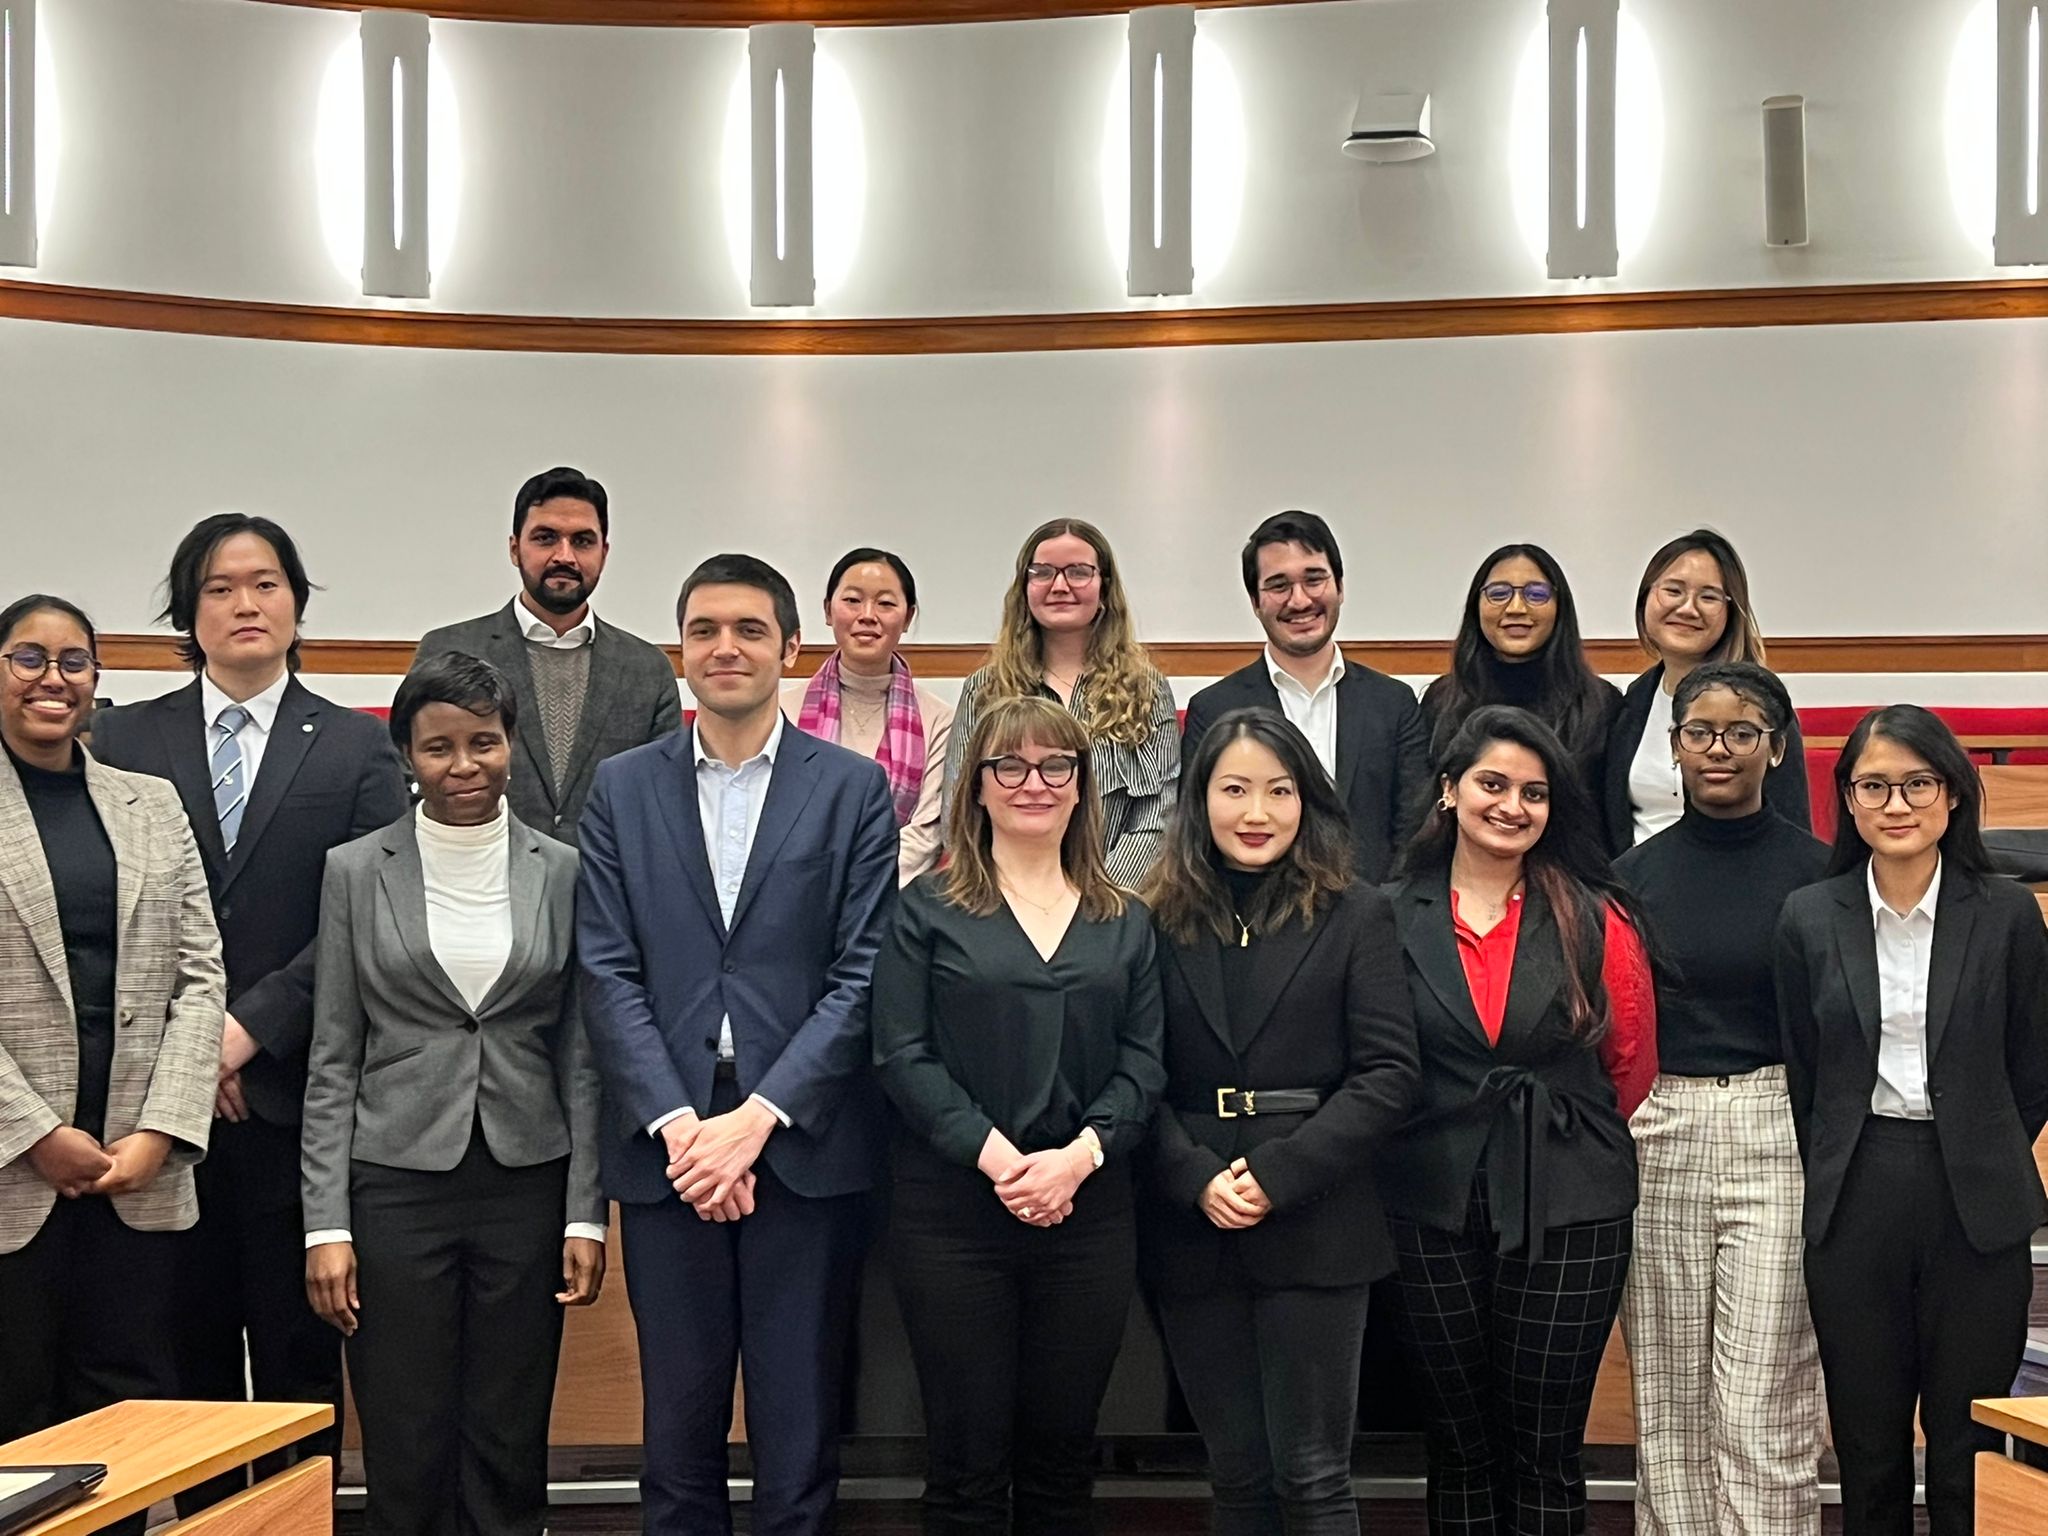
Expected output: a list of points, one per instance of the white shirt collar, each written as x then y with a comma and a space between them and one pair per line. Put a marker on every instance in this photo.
262, 708
1924, 907
540, 632
1282, 677
768, 749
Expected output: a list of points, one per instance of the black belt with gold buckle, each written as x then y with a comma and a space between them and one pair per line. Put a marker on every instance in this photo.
1230, 1103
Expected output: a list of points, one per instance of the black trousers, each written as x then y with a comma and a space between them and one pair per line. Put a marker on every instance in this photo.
244, 1315
1509, 1351
88, 1309
1014, 1330
453, 1361
1907, 1311
1272, 1379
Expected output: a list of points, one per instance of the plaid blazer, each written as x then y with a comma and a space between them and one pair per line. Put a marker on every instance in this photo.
169, 999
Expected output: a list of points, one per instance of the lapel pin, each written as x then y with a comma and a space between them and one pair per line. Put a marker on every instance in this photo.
307, 727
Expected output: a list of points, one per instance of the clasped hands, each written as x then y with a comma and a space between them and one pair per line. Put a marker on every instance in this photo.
1037, 1187
1233, 1199
73, 1163
711, 1160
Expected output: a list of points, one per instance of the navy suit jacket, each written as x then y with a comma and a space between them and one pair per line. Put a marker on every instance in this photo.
660, 967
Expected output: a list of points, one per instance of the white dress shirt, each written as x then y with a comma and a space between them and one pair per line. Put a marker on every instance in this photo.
1905, 947
1656, 796
540, 632
729, 802
466, 872
255, 732
1313, 710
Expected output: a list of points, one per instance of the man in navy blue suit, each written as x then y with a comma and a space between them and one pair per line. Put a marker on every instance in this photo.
736, 879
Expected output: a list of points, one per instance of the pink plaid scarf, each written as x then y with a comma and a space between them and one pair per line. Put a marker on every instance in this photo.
901, 753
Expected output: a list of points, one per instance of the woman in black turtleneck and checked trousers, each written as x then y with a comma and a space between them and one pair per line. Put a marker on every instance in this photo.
1727, 1374
1518, 643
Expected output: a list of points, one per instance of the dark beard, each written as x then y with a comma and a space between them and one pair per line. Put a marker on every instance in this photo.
558, 600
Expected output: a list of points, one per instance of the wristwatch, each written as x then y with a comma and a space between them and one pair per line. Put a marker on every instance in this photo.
1094, 1144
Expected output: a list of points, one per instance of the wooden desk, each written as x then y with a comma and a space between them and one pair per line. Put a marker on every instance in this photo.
153, 1450
2012, 1499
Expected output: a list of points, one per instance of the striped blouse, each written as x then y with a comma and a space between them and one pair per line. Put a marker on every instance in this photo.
1136, 784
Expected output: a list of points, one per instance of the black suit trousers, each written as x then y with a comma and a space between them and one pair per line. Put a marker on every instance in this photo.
1906, 1312
454, 1360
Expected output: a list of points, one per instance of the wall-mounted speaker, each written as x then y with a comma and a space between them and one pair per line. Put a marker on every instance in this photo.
1785, 170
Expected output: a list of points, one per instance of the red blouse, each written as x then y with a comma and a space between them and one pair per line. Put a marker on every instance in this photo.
1629, 1048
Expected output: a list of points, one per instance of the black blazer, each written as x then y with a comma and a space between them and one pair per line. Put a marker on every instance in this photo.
329, 776
1784, 786
1987, 1043
1333, 1014
1382, 752
1539, 1106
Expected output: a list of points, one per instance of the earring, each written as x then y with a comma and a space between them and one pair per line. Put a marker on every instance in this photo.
1447, 805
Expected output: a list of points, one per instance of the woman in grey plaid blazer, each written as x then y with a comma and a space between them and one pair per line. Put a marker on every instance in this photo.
111, 1004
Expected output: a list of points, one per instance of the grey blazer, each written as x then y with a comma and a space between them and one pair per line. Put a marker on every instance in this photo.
401, 1070
170, 994
631, 700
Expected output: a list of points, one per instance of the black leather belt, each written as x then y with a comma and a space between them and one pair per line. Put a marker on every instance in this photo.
1230, 1103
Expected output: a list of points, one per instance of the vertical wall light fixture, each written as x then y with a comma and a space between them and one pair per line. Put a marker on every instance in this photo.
17, 133
1162, 249
2021, 234
781, 59
1784, 170
395, 155
1583, 45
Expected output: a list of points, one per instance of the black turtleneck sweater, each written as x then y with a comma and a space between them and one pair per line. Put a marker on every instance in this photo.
1710, 891
1244, 887
1520, 683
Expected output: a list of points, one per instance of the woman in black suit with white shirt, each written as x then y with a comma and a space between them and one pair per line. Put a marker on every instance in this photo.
1913, 993
1290, 1057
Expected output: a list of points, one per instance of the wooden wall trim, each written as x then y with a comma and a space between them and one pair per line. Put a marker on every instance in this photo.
1408, 320
745, 13
1901, 654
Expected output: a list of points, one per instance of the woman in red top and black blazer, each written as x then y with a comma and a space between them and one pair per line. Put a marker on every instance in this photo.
1290, 1059
1511, 1190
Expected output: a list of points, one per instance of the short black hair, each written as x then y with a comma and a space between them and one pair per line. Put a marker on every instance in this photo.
1303, 528
744, 571
452, 677
865, 556
567, 484
1747, 681
188, 578
1927, 736
42, 602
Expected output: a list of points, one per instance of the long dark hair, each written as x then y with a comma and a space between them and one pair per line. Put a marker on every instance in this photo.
1567, 865
1573, 701
1185, 887
187, 578
1927, 736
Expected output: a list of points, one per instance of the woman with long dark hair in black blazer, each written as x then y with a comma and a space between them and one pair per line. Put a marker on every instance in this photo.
1913, 992
1692, 607
1511, 1189
1518, 643
1290, 1058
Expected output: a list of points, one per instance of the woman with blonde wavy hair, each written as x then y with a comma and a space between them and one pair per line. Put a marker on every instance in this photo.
1067, 635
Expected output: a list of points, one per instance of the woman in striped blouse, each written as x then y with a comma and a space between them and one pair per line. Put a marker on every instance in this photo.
1066, 634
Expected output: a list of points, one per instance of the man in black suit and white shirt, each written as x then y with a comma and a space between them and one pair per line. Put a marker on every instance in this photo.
587, 690
1366, 727
271, 777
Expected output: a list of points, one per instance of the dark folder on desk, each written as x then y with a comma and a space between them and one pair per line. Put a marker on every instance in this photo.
29, 1495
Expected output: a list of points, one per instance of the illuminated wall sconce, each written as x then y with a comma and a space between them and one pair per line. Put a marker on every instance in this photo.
17, 133
394, 155
2021, 236
1162, 250
1785, 170
780, 63
1583, 42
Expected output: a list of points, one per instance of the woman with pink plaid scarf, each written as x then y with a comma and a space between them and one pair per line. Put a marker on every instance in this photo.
865, 699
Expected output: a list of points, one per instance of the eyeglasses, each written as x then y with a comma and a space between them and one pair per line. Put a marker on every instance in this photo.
1055, 771
32, 662
1283, 587
1741, 739
1079, 574
1706, 599
1537, 594
1920, 791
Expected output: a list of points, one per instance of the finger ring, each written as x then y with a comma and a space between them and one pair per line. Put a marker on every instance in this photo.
1023, 1210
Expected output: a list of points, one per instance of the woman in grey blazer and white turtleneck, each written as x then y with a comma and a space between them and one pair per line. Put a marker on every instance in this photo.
449, 1153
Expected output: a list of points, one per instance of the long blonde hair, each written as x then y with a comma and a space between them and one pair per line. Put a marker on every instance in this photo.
971, 881
1122, 682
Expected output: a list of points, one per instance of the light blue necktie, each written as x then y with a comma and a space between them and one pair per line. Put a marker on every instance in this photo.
230, 782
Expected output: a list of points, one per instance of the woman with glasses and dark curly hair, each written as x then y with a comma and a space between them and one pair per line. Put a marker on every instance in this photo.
1016, 1029
1913, 993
